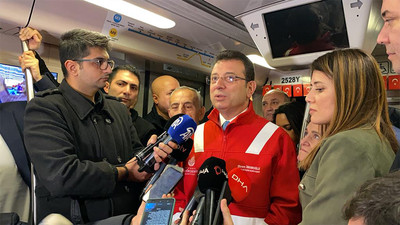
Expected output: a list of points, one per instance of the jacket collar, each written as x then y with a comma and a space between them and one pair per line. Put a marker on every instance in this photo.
242, 118
79, 103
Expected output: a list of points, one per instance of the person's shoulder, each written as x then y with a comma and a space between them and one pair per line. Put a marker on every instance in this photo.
13, 106
356, 136
113, 101
356, 141
144, 123
46, 97
48, 93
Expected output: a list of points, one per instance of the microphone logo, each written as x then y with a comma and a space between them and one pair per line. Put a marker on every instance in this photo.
218, 171
203, 171
177, 122
189, 132
237, 179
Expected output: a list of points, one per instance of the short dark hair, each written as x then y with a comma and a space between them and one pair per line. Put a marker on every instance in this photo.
294, 112
127, 67
377, 201
75, 44
231, 54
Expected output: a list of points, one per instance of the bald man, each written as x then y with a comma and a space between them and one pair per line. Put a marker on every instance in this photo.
271, 101
188, 101
161, 89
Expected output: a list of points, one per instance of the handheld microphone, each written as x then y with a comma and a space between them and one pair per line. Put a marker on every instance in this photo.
237, 188
180, 131
193, 202
198, 217
211, 178
239, 183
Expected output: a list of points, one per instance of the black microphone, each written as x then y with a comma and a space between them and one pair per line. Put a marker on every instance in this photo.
198, 217
193, 202
211, 178
180, 131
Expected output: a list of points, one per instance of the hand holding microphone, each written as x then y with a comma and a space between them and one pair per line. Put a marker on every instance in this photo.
179, 132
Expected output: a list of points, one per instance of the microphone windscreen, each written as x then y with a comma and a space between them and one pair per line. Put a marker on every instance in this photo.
239, 184
182, 129
212, 175
184, 150
171, 120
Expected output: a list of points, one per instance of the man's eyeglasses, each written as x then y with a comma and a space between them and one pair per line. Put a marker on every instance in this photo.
101, 62
228, 79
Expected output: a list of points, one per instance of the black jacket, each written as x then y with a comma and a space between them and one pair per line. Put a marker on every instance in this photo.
157, 120
74, 145
143, 127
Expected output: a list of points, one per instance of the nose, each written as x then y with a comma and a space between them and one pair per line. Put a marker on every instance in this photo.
181, 109
304, 142
383, 36
127, 90
108, 70
310, 96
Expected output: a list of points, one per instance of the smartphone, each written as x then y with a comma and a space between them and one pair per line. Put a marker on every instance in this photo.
165, 183
158, 211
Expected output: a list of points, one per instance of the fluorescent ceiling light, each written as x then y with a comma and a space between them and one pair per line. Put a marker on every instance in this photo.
135, 12
259, 61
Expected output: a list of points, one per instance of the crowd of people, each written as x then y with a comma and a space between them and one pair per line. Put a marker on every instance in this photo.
83, 142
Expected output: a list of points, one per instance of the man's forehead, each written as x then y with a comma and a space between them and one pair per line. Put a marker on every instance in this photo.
273, 96
126, 76
183, 94
390, 8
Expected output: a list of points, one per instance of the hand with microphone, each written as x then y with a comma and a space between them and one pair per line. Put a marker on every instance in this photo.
179, 132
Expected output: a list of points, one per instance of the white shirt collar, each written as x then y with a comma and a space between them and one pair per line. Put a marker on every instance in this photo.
222, 119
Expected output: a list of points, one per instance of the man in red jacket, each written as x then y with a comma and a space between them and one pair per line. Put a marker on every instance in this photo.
247, 141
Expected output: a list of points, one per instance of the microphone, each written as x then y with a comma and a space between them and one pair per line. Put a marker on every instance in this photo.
180, 131
198, 217
237, 188
239, 183
211, 178
193, 202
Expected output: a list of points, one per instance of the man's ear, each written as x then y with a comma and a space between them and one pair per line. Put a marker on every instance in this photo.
202, 112
72, 68
155, 99
251, 88
107, 87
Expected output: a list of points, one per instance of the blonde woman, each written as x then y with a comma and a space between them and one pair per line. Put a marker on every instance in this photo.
348, 94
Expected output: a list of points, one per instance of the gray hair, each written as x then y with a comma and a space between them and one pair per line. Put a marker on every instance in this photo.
199, 98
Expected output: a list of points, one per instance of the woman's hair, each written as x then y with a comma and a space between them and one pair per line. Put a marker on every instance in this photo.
360, 95
294, 112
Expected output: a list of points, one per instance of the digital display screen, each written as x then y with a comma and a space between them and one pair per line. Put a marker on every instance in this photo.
308, 28
12, 83
158, 211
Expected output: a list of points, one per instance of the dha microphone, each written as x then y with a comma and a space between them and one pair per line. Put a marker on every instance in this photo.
180, 131
211, 178
239, 183
237, 188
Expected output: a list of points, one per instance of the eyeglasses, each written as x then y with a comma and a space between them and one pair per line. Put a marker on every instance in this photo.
101, 62
228, 79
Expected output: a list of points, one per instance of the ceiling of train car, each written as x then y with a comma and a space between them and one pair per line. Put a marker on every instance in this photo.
208, 23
